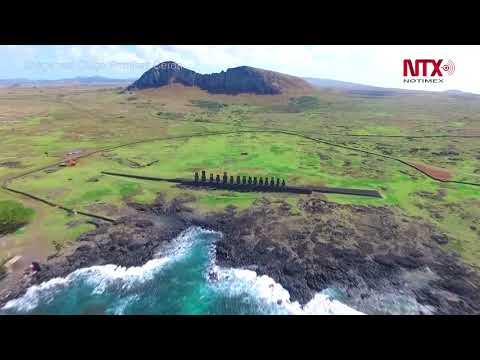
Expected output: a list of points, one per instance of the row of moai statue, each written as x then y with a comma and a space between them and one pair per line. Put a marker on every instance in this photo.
251, 181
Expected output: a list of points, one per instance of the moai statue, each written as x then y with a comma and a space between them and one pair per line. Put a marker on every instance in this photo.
225, 177
211, 177
231, 180
238, 179
283, 183
217, 179
266, 181
244, 180
196, 177
260, 182
204, 178
278, 182
272, 182
249, 180
255, 180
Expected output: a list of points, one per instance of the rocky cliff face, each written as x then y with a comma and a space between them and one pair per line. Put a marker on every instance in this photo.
243, 79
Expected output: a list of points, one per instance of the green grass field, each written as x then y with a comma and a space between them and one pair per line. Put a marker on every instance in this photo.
56, 121
13, 215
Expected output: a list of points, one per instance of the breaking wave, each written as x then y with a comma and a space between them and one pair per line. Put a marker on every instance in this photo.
174, 282
271, 298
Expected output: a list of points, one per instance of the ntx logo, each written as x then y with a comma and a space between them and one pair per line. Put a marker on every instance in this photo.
430, 70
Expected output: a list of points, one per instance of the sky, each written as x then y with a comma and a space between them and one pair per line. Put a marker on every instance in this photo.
379, 65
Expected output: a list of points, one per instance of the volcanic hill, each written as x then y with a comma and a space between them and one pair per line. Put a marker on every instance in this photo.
242, 79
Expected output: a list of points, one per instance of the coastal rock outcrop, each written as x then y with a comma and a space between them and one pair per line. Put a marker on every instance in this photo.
372, 255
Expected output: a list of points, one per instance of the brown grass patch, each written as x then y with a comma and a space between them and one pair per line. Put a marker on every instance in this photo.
433, 171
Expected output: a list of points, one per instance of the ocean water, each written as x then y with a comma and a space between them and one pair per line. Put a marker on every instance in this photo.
177, 281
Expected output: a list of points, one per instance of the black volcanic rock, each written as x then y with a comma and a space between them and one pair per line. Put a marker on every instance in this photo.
243, 79
164, 74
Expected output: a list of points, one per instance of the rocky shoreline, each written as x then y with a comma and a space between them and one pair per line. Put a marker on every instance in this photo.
372, 255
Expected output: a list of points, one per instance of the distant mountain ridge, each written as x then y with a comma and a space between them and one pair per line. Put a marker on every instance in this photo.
355, 88
242, 79
337, 84
79, 80
370, 90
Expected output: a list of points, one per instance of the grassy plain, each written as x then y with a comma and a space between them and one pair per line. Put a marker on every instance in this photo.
39, 126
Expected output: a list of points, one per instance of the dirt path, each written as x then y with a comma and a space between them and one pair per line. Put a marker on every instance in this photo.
410, 136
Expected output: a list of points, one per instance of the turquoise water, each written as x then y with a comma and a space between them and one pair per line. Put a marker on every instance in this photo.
177, 281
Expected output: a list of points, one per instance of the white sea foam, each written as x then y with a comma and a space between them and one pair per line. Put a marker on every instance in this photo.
324, 304
184, 242
263, 291
273, 297
109, 277
100, 278
32, 297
